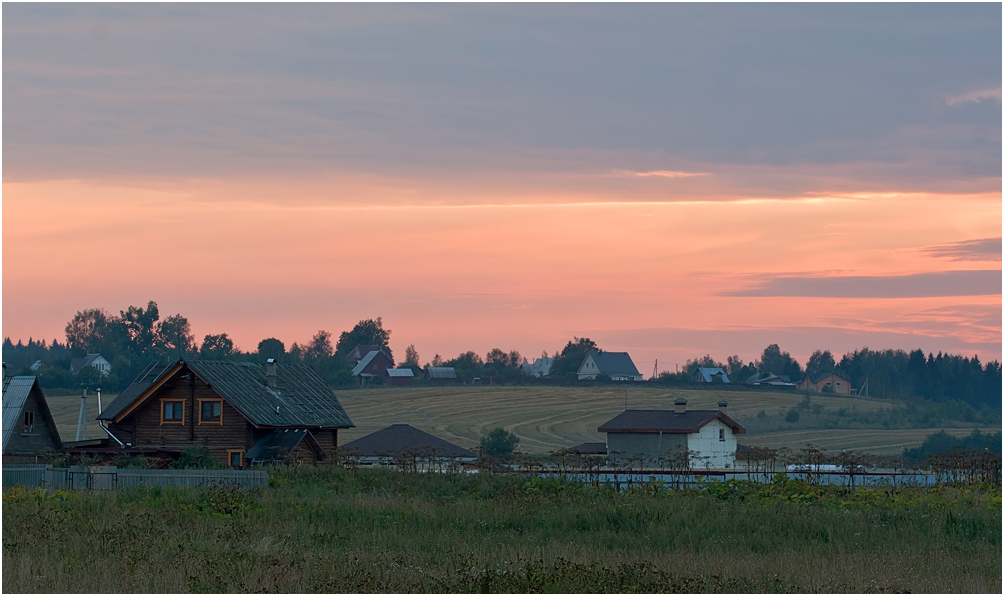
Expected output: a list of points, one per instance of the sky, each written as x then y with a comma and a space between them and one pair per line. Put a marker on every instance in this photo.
668, 180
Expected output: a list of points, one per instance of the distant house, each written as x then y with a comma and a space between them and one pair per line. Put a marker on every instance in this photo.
231, 408
541, 367
826, 383
618, 365
653, 435
594, 450
401, 444
398, 377
359, 352
710, 375
95, 360
373, 364
441, 374
779, 381
28, 427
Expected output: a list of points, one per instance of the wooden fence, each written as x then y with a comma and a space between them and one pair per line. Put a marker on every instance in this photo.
110, 477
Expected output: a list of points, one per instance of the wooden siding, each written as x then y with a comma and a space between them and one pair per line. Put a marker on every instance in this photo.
143, 427
25, 447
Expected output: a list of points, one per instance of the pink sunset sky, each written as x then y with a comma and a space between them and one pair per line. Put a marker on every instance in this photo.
667, 180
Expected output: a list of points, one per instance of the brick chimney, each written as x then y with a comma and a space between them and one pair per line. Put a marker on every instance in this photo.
680, 405
270, 374
723, 406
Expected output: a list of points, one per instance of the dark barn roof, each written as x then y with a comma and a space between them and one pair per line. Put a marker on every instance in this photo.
300, 399
613, 363
280, 442
589, 449
403, 438
441, 372
666, 421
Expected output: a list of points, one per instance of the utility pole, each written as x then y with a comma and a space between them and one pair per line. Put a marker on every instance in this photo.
655, 369
82, 419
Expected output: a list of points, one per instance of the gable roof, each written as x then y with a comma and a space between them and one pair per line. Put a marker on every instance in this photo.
365, 361
360, 351
666, 421
400, 372
589, 449
822, 376
279, 443
78, 364
15, 395
612, 363
300, 399
441, 372
403, 438
707, 374
541, 367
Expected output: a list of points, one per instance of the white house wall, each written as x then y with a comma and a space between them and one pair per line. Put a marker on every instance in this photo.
710, 451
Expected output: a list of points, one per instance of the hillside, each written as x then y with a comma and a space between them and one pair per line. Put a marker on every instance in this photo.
549, 418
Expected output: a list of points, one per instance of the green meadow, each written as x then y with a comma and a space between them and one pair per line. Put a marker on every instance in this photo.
360, 530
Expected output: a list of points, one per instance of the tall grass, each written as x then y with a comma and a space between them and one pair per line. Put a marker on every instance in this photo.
380, 531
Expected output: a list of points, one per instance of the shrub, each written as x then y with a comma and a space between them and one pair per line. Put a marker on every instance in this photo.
498, 443
791, 416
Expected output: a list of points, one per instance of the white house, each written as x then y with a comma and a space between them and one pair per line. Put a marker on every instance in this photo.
710, 375
618, 365
653, 435
95, 360
541, 367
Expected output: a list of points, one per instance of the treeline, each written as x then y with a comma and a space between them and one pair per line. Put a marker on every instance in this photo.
883, 373
136, 336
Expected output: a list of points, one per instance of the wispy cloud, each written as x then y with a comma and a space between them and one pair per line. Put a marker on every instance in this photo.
919, 285
984, 249
975, 97
669, 174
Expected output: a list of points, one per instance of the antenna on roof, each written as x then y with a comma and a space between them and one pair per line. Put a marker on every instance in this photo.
655, 369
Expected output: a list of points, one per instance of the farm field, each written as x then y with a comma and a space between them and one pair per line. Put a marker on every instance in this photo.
325, 530
549, 418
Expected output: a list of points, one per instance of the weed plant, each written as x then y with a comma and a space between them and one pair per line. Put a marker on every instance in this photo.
361, 530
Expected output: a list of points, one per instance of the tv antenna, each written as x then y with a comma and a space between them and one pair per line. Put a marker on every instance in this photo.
655, 369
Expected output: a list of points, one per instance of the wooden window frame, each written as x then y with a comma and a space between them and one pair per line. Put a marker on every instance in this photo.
213, 422
165, 400
230, 453
721, 434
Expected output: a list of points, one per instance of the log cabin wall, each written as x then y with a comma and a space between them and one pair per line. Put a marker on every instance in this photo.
144, 427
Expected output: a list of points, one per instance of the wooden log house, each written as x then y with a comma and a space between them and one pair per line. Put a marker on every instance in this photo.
229, 408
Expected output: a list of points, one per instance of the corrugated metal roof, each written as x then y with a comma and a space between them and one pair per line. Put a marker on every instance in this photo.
613, 363
15, 394
441, 372
279, 443
667, 421
400, 372
364, 362
399, 439
148, 376
300, 399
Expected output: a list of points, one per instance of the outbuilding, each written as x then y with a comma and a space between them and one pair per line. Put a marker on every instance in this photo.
29, 430
709, 436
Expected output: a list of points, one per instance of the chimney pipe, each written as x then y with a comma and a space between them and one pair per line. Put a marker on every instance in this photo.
270, 373
722, 406
680, 405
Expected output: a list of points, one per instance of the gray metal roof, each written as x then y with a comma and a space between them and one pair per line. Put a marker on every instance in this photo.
15, 394
400, 372
613, 363
400, 439
706, 375
77, 364
148, 376
441, 372
365, 360
667, 421
300, 399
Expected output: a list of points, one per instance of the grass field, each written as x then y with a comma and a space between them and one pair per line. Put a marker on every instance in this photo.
549, 418
354, 531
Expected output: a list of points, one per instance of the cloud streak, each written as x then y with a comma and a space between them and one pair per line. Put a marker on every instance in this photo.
919, 285
984, 249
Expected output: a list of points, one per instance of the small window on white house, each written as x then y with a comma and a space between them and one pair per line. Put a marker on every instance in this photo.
29, 421
721, 434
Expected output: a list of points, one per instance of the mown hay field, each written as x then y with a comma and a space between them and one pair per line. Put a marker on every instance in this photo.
549, 418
